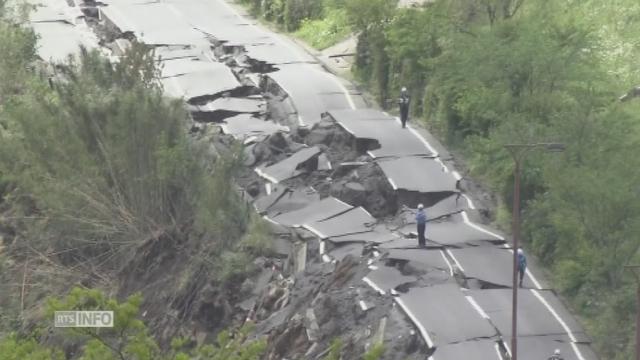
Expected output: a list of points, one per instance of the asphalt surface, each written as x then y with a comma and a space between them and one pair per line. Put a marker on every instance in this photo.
456, 292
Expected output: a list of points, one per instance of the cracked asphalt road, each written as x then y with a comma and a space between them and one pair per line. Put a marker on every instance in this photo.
456, 293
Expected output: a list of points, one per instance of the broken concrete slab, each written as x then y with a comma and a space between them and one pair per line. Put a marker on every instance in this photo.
448, 206
152, 23
167, 53
379, 234
392, 139
453, 231
320, 210
418, 174
284, 200
488, 264
310, 101
57, 40
276, 53
183, 66
430, 258
534, 317
388, 278
231, 104
197, 79
291, 166
406, 243
246, 126
353, 221
477, 350
441, 310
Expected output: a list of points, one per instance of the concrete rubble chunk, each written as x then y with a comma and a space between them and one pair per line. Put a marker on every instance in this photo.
291, 166
244, 126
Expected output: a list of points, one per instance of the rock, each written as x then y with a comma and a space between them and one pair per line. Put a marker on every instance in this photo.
350, 192
278, 141
254, 189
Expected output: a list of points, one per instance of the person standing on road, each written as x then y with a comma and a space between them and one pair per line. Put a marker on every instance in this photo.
404, 102
421, 220
522, 264
556, 355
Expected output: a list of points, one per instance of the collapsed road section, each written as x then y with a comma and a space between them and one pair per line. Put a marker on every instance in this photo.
339, 182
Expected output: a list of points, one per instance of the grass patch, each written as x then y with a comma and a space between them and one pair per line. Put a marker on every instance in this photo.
326, 32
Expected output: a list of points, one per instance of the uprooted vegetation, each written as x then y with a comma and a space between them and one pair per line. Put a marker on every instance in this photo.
102, 187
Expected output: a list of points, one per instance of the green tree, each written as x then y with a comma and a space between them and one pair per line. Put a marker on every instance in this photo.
129, 338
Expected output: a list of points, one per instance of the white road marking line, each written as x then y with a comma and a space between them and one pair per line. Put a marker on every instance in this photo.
477, 307
507, 347
455, 260
393, 184
562, 323
344, 89
447, 261
373, 267
322, 247
363, 306
497, 347
261, 173
423, 331
465, 217
267, 187
270, 220
444, 167
373, 285
365, 210
471, 206
456, 175
326, 258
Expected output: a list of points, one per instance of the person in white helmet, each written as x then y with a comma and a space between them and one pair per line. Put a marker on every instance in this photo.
556, 355
404, 102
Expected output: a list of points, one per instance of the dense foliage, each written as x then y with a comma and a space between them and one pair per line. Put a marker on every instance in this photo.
105, 159
484, 73
127, 339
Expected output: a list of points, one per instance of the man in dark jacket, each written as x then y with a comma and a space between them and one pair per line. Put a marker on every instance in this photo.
522, 264
404, 102
421, 220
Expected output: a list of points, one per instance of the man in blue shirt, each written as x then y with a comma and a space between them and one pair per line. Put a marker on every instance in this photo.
522, 264
421, 219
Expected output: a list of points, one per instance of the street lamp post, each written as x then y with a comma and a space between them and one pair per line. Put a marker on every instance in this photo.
518, 152
634, 270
